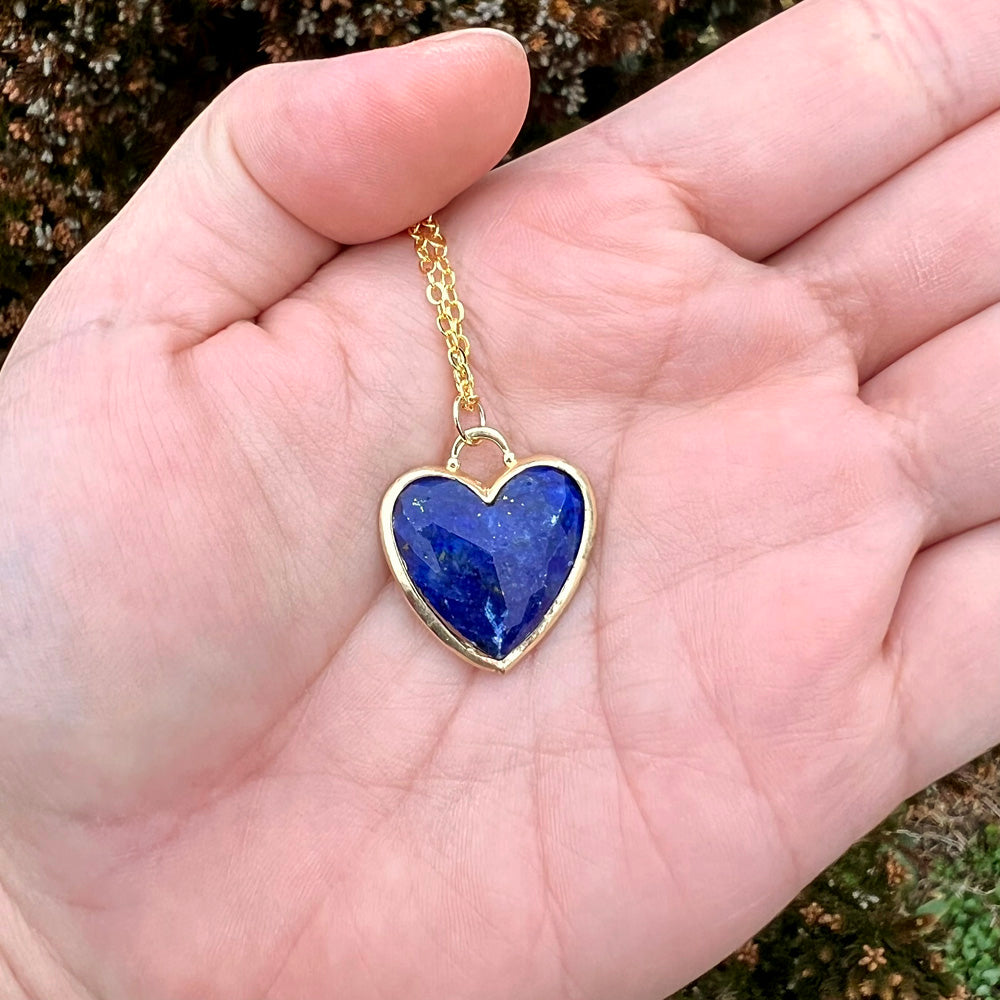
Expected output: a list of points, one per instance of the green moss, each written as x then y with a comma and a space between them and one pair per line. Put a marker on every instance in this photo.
855, 932
923, 887
964, 898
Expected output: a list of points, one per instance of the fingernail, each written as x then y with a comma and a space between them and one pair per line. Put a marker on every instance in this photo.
446, 36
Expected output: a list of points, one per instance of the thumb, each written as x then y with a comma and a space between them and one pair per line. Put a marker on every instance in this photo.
290, 162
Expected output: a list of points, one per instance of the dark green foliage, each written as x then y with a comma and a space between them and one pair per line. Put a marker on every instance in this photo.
93, 93
965, 900
855, 932
923, 887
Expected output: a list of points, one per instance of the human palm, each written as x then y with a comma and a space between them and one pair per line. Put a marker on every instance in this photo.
235, 765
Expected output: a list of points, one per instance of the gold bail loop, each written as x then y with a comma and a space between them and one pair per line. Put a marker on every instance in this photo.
475, 436
456, 413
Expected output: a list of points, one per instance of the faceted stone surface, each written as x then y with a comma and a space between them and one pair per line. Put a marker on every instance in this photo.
490, 571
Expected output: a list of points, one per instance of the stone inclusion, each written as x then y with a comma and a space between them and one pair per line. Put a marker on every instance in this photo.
490, 571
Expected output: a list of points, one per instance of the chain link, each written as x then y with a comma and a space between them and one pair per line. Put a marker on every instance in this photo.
432, 255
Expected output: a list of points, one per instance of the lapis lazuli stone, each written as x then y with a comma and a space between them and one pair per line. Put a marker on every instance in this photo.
490, 571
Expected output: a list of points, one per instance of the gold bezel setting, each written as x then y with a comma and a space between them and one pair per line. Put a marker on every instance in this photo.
487, 494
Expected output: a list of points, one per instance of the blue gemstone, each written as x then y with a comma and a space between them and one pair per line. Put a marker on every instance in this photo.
490, 571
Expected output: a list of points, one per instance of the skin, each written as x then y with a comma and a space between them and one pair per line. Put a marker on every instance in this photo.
757, 306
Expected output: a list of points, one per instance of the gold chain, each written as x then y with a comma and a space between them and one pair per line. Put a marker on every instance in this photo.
432, 254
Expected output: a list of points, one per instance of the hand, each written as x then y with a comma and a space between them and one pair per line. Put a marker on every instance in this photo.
234, 765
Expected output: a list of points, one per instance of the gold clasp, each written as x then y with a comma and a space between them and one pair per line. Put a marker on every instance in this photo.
475, 436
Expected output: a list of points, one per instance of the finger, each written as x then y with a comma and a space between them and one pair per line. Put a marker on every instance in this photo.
944, 409
290, 162
913, 257
944, 646
784, 126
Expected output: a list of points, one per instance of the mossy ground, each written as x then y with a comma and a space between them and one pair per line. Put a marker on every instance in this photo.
93, 95
911, 912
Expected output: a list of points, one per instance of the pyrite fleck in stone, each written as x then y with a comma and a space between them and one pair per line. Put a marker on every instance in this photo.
490, 571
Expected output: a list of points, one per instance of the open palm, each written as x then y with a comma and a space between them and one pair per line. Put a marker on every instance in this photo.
235, 765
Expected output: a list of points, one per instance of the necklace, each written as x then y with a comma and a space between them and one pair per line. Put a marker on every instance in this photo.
488, 568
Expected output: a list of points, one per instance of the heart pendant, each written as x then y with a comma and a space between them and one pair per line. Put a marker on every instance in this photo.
489, 569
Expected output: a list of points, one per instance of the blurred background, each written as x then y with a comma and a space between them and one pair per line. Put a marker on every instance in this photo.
93, 94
